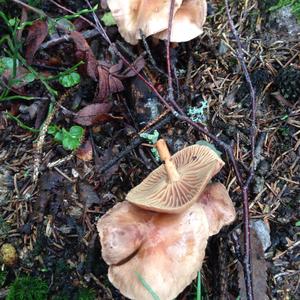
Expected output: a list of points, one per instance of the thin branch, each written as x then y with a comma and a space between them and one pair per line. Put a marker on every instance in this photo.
247, 245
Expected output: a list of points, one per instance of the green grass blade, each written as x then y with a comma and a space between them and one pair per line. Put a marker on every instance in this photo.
199, 296
147, 286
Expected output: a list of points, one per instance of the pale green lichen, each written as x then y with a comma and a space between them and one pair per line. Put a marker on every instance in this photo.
197, 113
152, 138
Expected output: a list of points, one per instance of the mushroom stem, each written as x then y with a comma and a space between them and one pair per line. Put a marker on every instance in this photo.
165, 156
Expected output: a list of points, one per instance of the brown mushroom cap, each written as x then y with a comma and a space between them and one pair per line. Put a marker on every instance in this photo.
196, 165
134, 15
218, 207
188, 21
165, 250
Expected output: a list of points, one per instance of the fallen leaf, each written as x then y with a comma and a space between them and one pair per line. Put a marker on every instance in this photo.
37, 33
93, 114
259, 270
85, 151
138, 65
85, 53
87, 194
103, 91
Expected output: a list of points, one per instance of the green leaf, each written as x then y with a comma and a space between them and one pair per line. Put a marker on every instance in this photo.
52, 129
108, 19
6, 63
69, 80
297, 223
76, 132
70, 143
29, 77
58, 136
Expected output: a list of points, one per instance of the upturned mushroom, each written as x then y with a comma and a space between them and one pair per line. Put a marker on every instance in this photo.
165, 251
176, 185
151, 17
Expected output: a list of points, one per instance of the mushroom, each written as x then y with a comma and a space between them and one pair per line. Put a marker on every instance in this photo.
165, 251
176, 185
151, 17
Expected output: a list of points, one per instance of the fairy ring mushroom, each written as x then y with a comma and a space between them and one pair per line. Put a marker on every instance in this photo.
151, 17
176, 185
165, 250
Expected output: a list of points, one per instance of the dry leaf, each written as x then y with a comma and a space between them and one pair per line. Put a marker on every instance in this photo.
85, 53
85, 151
37, 32
87, 194
93, 114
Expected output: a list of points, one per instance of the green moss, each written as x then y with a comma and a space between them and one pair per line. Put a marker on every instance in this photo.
294, 4
86, 294
28, 288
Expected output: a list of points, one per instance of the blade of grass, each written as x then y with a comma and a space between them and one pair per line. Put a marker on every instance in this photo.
199, 296
20, 123
147, 286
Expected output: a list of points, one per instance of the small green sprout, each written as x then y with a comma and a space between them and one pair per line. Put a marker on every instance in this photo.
69, 80
108, 19
197, 114
28, 288
69, 139
152, 138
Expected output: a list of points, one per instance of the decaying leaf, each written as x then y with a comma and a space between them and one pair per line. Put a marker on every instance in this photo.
37, 32
93, 114
87, 195
259, 270
85, 151
85, 53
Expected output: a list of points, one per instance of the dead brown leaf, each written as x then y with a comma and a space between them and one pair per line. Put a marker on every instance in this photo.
87, 194
85, 53
85, 151
37, 32
93, 114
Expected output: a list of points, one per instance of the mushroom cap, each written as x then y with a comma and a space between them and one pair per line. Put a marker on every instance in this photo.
188, 21
165, 250
218, 207
196, 166
134, 15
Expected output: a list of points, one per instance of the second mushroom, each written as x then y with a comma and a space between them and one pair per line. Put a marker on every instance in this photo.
159, 238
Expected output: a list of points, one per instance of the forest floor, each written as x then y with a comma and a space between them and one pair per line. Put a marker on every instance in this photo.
51, 195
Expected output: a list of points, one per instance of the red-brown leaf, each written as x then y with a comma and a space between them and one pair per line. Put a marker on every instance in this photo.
115, 84
85, 53
93, 114
138, 64
85, 151
103, 91
37, 32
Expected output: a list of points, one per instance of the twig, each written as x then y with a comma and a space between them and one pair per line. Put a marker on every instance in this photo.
136, 142
247, 244
150, 55
66, 38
